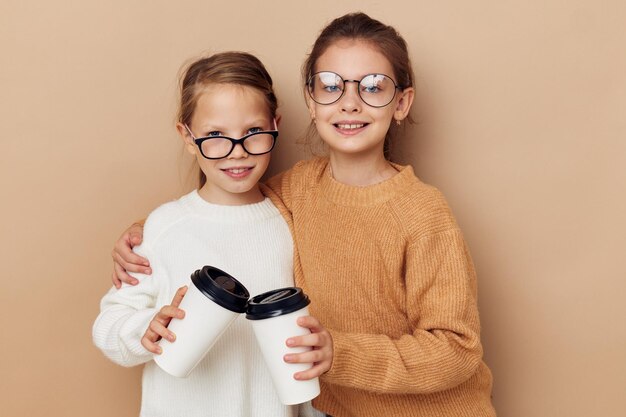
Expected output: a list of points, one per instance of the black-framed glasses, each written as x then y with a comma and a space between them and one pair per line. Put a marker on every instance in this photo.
218, 147
376, 90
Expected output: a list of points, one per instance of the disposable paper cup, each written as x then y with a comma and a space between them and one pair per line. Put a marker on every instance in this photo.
273, 317
212, 302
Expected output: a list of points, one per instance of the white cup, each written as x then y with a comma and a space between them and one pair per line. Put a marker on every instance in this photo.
212, 302
273, 317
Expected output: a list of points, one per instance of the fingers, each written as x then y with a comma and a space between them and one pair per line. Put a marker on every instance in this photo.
309, 340
319, 338
149, 341
321, 359
310, 356
120, 275
310, 323
321, 354
160, 330
320, 344
178, 297
169, 312
116, 281
155, 332
135, 234
129, 260
157, 329
125, 260
132, 237
315, 372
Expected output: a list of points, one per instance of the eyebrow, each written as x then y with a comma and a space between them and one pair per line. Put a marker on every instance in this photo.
253, 123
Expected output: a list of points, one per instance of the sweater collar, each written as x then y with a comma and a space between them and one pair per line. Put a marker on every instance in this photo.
222, 213
349, 195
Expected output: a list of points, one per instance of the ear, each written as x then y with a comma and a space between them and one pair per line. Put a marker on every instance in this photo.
405, 102
184, 134
311, 106
278, 118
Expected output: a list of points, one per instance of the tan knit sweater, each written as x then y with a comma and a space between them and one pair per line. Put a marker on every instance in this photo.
391, 278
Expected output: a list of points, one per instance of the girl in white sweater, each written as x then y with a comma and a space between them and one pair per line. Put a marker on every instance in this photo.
227, 223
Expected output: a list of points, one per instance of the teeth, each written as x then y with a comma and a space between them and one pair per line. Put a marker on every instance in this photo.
350, 126
237, 170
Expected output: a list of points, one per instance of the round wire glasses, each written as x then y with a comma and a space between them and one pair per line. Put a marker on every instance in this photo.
376, 90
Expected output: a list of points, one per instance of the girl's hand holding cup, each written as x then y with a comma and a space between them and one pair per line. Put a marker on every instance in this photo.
282, 315
321, 354
158, 326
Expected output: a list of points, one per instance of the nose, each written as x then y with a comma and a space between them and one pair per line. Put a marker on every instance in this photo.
350, 101
238, 152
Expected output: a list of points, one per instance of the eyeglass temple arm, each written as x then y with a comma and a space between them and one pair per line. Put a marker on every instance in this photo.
189, 130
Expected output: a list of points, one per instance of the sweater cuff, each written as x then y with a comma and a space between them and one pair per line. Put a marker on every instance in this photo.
133, 330
135, 327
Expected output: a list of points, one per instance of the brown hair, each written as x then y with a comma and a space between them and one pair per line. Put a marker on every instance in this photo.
239, 68
359, 26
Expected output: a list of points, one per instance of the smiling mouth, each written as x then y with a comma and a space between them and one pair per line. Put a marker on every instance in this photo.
237, 170
350, 126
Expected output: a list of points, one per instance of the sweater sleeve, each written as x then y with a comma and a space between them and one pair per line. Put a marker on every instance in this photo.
125, 314
444, 348
278, 190
286, 188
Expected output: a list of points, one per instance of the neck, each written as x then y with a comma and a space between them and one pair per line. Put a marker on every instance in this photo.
215, 195
362, 170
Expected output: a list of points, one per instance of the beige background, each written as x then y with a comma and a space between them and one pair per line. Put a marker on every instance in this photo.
523, 126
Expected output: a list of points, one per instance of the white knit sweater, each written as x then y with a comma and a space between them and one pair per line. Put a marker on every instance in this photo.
250, 242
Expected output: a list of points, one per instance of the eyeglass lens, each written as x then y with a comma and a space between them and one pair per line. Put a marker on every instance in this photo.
220, 147
377, 90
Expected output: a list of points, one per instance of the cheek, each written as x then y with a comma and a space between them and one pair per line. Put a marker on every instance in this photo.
387, 113
205, 165
262, 162
325, 113
265, 160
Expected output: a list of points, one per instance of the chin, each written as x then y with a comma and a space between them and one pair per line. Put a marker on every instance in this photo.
353, 148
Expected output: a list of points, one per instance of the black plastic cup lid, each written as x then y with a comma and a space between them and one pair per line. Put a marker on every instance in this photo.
222, 288
276, 303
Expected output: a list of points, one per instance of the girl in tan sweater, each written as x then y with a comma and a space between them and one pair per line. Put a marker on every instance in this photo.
378, 251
